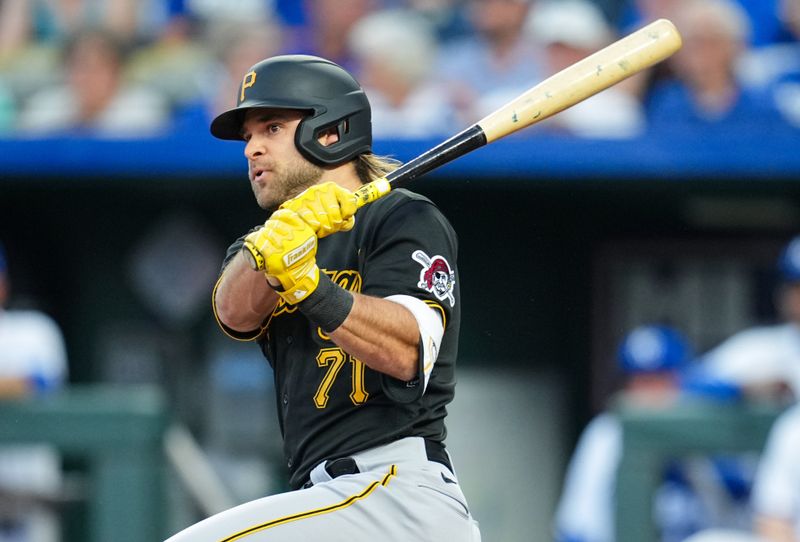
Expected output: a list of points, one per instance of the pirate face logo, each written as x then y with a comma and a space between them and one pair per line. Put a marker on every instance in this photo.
436, 276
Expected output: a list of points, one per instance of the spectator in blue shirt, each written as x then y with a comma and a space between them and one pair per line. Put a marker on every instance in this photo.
786, 87
763, 15
497, 55
705, 92
694, 494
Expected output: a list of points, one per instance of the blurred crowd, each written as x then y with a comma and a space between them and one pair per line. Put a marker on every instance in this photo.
749, 496
127, 68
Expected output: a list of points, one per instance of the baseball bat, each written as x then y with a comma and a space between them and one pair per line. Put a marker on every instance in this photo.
625, 57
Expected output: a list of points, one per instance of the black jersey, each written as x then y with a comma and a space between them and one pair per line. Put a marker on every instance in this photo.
329, 403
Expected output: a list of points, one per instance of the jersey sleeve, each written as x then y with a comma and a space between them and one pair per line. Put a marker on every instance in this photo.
52, 369
584, 511
47, 368
776, 491
755, 356
413, 252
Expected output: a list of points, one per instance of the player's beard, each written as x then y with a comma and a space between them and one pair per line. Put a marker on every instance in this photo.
288, 180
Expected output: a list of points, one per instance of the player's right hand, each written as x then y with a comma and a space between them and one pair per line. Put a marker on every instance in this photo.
289, 249
327, 208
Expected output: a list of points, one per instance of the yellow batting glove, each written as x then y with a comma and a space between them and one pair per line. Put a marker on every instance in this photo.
289, 246
327, 208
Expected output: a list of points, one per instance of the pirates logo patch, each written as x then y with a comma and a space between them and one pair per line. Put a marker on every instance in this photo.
436, 276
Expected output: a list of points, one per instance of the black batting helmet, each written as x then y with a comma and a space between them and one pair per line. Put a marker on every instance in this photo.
331, 96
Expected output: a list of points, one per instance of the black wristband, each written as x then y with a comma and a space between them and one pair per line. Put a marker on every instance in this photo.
328, 306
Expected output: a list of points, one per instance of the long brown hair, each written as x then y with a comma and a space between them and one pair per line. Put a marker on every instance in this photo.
370, 167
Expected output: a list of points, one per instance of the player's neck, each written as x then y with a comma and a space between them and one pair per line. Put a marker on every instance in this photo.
344, 175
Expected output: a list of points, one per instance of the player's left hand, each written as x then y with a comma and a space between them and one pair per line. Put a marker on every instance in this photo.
327, 208
290, 248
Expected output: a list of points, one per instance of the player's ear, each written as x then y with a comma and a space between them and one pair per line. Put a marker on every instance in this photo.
329, 136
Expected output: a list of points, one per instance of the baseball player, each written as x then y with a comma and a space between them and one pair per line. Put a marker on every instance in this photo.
776, 489
696, 494
651, 357
765, 360
33, 363
357, 313
776, 492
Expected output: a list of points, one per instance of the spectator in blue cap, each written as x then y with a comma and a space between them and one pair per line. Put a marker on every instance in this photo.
764, 361
789, 261
706, 92
3, 279
693, 495
654, 350
651, 358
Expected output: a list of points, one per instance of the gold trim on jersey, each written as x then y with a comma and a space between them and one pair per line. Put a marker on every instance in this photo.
434, 305
348, 279
243, 336
318, 511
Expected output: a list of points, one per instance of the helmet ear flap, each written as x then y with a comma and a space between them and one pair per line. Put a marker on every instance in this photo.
354, 131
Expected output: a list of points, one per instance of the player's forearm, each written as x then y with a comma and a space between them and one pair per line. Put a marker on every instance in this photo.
383, 335
775, 529
11, 388
243, 299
